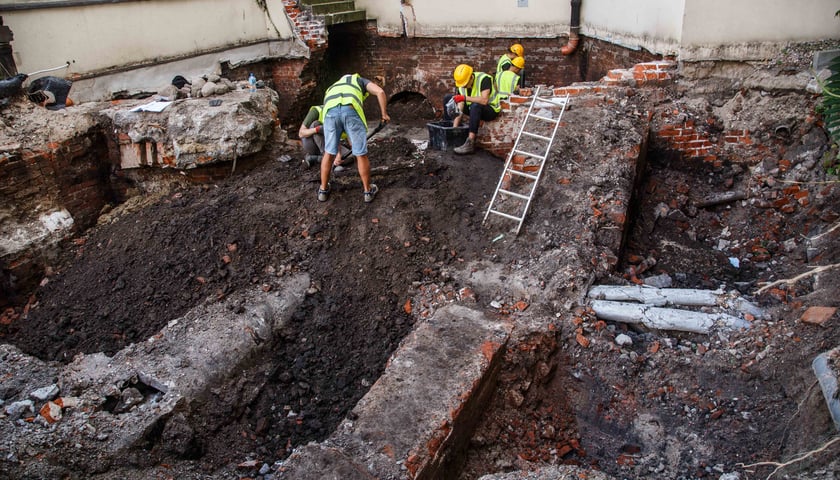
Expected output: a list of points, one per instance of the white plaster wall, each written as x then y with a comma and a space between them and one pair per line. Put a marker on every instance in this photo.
655, 25
111, 36
754, 29
471, 18
691, 29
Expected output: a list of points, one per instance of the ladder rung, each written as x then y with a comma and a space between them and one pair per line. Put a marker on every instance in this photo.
505, 215
534, 135
540, 117
529, 154
513, 194
559, 103
523, 174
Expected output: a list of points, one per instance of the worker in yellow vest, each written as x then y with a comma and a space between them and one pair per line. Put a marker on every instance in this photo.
508, 80
311, 134
343, 112
476, 99
506, 60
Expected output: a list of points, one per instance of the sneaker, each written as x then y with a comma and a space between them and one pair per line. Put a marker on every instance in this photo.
467, 147
371, 194
324, 195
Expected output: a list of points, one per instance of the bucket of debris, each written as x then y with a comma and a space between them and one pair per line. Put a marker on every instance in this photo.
443, 136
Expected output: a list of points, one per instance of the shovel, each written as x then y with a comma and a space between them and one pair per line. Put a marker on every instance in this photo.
377, 129
351, 158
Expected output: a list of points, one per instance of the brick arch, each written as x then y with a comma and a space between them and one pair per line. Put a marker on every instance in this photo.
400, 87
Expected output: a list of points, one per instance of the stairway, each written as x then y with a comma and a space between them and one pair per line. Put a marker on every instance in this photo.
335, 12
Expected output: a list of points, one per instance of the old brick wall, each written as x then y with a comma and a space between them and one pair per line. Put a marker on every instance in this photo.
423, 65
599, 57
71, 175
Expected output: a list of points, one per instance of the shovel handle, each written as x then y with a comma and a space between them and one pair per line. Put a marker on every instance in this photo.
376, 130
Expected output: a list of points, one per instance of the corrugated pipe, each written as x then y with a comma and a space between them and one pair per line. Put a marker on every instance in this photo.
574, 29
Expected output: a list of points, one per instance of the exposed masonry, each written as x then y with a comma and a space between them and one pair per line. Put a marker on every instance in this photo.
499, 135
307, 26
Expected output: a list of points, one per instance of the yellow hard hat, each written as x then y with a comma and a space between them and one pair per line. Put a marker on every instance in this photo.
517, 49
462, 75
518, 62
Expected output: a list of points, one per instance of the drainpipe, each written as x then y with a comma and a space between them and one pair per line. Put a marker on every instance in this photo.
574, 29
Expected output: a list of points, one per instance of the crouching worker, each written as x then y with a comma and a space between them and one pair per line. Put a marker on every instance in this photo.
476, 99
343, 112
311, 135
508, 80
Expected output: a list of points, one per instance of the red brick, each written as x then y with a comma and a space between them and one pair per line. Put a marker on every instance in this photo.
818, 315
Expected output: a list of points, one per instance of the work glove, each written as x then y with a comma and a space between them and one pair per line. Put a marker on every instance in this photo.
459, 98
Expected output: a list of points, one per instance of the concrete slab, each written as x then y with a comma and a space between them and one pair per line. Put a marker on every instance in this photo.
823, 58
417, 418
108, 406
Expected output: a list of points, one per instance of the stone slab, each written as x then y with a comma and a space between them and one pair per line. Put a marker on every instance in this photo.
419, 415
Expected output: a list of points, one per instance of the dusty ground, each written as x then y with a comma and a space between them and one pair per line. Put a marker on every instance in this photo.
670, 405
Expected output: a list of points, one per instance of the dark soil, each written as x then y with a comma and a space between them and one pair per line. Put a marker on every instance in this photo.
120, 283
649, 410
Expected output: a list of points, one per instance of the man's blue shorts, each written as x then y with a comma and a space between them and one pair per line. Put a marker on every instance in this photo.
344, 119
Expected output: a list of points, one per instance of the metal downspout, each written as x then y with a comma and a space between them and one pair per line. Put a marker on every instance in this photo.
574, 29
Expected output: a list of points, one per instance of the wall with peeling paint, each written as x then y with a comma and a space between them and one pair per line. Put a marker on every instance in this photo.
753, 29
692, 29
653, 25
477, 19
107, 39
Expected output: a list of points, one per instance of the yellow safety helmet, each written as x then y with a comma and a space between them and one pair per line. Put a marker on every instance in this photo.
517, 49
518, 62
462, 75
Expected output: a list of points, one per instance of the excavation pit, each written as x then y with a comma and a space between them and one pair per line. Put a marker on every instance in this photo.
560, 389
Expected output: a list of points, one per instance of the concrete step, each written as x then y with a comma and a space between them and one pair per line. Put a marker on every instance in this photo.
345, 17
422, 410
333, 7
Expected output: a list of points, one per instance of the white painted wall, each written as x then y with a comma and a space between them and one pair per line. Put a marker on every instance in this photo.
655, 25
96, 38
171, 37
471, 18
753, 29
692, 29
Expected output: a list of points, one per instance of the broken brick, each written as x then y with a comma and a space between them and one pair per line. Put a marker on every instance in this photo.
818, 315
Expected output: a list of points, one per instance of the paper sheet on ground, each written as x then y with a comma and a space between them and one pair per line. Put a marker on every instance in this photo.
152, 107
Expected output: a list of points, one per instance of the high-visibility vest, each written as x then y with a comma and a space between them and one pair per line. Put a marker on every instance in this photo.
476, 91
500, 65
507, 82
345, 91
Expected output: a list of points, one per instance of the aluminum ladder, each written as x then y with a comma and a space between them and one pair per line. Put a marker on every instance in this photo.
533, 130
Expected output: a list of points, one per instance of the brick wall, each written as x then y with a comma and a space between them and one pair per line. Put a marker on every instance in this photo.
422, 65
599, 57
72, 175
499, 135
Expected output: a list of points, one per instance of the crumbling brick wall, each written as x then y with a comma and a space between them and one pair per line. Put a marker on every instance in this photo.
72, 175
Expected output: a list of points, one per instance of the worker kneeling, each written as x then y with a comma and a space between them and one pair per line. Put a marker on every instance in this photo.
476, 99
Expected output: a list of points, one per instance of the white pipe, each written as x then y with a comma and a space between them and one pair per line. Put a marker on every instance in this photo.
665, 318
673, 296
828, 382
66, 65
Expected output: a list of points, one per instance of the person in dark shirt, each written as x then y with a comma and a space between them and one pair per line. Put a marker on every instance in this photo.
476, 99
